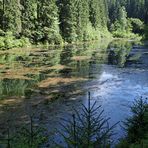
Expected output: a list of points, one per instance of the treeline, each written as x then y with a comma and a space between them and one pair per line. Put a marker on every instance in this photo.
58, 21
53, 21
128, 16
134, 8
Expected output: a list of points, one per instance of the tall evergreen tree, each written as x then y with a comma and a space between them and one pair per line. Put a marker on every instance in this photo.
29, 17
82, 19
122, 18
2, 12
68, 19
11, 18
48, 21
95, 13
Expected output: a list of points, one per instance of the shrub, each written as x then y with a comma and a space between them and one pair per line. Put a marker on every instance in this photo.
24, 42
2, 33
87, 128
2, 43
136, 126
47, 36
121, 34
91, 33
9, 40
137, 25
27, 136
138, 123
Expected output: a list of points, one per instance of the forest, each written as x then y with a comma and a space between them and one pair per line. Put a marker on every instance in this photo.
25, 22
73, 73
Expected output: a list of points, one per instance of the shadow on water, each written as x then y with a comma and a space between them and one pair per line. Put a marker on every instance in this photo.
51, 81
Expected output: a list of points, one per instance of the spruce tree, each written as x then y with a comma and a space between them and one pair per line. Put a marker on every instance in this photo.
12, 16
29, 17
68, 19
95, 13
48, 21
122, 18
82, 19
2, 12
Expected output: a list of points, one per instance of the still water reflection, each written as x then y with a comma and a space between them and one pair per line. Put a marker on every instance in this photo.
49, 81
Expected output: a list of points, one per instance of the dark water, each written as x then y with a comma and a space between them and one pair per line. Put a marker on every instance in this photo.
49, 82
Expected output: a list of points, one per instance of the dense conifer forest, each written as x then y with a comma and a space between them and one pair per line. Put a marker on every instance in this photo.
59, 21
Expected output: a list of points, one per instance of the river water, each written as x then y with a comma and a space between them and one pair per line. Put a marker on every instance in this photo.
50, 82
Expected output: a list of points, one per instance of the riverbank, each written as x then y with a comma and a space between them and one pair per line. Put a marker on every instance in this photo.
8, 41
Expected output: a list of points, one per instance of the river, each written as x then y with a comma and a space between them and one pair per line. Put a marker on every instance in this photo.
50, 82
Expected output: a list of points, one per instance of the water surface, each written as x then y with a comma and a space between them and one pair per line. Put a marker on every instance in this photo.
49, 82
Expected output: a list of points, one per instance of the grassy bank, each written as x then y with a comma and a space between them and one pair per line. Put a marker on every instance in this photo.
9, 41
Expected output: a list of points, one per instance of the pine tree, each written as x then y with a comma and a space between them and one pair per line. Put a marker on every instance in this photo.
48, 22
29, 17
122, 18
82, 19
2, 10
68, 19
12, 16
95, 13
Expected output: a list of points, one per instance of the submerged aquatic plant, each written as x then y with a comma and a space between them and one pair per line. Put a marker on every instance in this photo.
87, 128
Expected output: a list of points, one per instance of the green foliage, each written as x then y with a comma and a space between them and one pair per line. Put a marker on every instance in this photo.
136, 126
91, 33
137, 25
122, 26
135, 9
2, 43
146, 32
57, 21
48, 22
2, 33
82, 20
68, 20
9, 41
127, 17
119, 34
11, 16
122, 18
86, 129
29, 17
138, 123
119, 53
24, 42
29, 137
